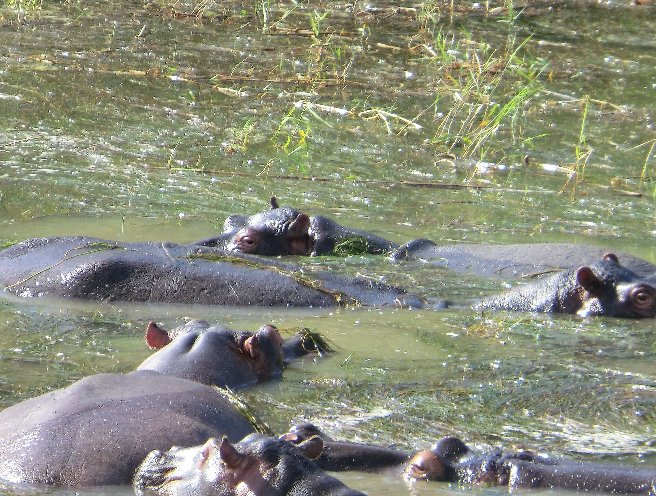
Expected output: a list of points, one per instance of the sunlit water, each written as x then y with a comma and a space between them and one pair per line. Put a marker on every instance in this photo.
133, 124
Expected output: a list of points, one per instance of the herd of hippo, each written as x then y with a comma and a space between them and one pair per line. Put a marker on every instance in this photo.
174, 426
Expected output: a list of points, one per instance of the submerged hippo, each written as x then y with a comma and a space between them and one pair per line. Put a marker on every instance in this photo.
450, 460
95, 269
287, 231
97, 430
257, 465
345, 455
602, 288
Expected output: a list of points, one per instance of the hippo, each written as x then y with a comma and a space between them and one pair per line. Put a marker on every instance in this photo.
570, 283
218, 356
257, 465
96, 269
603, 288
513, 260
345, 455
287, 231
97, 430
450, 460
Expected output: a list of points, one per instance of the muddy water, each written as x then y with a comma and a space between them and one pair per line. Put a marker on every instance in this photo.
156, 122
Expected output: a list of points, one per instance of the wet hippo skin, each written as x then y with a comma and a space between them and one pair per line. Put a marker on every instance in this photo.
95, 269
602, 288
515, 260
97, 430
554, 277
345, 455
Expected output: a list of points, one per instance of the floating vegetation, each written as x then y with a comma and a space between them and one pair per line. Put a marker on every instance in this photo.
356, 245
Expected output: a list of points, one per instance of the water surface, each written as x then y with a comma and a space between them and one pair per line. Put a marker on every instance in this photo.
156, 121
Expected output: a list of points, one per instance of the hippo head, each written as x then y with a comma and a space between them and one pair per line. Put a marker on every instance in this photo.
263, 465
279, 231
216, 356
613, 290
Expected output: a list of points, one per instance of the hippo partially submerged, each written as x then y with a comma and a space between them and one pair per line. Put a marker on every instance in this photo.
224, 357
450, 460
257, 465
91, 268
602, 288
563, 279
346, 455
287, 231
97, 430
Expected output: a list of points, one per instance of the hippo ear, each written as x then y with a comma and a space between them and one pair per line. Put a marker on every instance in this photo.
299, 226
232, 458
250, 346
274, 202
588, 280
450, 449
156, 337
311, 448
611, 256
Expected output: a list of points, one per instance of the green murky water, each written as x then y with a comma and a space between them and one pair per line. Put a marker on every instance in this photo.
155, 121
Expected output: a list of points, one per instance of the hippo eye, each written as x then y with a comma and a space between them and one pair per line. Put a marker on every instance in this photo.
643, 299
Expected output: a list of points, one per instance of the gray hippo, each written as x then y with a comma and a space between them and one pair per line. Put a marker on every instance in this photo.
218, 356
97, 430
450, 460
257, 465
519, 260
346, 455
287, 231
602, 288
91, 268
563, 279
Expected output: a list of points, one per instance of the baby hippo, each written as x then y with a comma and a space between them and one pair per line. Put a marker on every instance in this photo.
257, 465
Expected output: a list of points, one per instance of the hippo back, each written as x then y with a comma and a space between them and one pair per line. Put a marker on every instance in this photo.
97, 430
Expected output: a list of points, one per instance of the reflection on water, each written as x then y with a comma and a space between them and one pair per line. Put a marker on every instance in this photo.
146, 124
